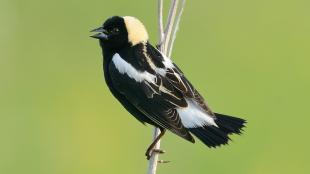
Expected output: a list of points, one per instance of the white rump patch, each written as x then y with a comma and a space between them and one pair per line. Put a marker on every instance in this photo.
125, 68
136, 30
193, 116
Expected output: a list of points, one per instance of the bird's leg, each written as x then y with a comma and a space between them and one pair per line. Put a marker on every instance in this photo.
151, 149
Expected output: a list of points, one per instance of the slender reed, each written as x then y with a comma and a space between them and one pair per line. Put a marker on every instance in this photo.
165, 45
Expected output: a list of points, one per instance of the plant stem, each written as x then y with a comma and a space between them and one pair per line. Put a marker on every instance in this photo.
170, 24
175, 29
165, 43
154, 158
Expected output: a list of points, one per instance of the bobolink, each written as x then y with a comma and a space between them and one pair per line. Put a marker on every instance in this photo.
154, 90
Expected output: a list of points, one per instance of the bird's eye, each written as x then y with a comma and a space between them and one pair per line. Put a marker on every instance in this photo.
114, 30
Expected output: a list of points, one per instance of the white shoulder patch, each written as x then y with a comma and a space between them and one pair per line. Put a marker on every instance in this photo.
167, 63
125, 68
193, 116
136, 30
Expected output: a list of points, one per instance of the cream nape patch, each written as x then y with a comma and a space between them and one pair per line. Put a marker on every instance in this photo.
136, 30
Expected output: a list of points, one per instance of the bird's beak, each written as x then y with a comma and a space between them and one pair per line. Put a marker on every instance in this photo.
101, 33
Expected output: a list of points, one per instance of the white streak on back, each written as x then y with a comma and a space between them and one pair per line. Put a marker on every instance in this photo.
125, 68
167, 63
160, 71
193, 116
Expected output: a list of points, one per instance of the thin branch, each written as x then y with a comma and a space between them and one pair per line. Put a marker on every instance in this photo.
175, 29
160, 23
170, 23
154, 158
164, 46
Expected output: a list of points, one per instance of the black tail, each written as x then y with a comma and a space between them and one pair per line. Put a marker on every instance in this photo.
213, 136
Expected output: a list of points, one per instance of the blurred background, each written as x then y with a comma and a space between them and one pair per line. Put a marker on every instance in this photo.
248, 58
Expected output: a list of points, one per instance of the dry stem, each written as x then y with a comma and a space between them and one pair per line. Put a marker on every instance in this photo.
165, 43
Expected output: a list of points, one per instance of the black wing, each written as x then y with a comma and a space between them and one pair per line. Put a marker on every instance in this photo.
158, 101
177, 78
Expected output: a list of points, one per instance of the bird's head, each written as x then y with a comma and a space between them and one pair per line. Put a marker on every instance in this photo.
117, 32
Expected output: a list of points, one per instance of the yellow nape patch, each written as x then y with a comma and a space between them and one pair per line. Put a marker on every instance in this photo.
136, 30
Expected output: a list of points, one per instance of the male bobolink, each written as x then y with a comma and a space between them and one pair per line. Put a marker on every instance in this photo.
154, 90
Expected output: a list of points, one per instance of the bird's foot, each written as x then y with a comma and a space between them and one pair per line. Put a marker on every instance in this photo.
150, 152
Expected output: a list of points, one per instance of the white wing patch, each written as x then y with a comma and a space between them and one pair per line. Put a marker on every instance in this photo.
161, 71
193, 116
125, 68
167, 63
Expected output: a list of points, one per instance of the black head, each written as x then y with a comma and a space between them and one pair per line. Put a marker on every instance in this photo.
118, 32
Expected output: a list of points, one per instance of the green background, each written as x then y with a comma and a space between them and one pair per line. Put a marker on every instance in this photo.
248, 58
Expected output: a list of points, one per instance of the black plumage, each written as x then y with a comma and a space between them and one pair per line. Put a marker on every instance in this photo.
153, 89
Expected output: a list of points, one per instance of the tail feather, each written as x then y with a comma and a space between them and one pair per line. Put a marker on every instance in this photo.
229, 124
213, 136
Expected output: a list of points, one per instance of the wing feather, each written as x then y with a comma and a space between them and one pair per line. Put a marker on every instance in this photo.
160, 98
157, 100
